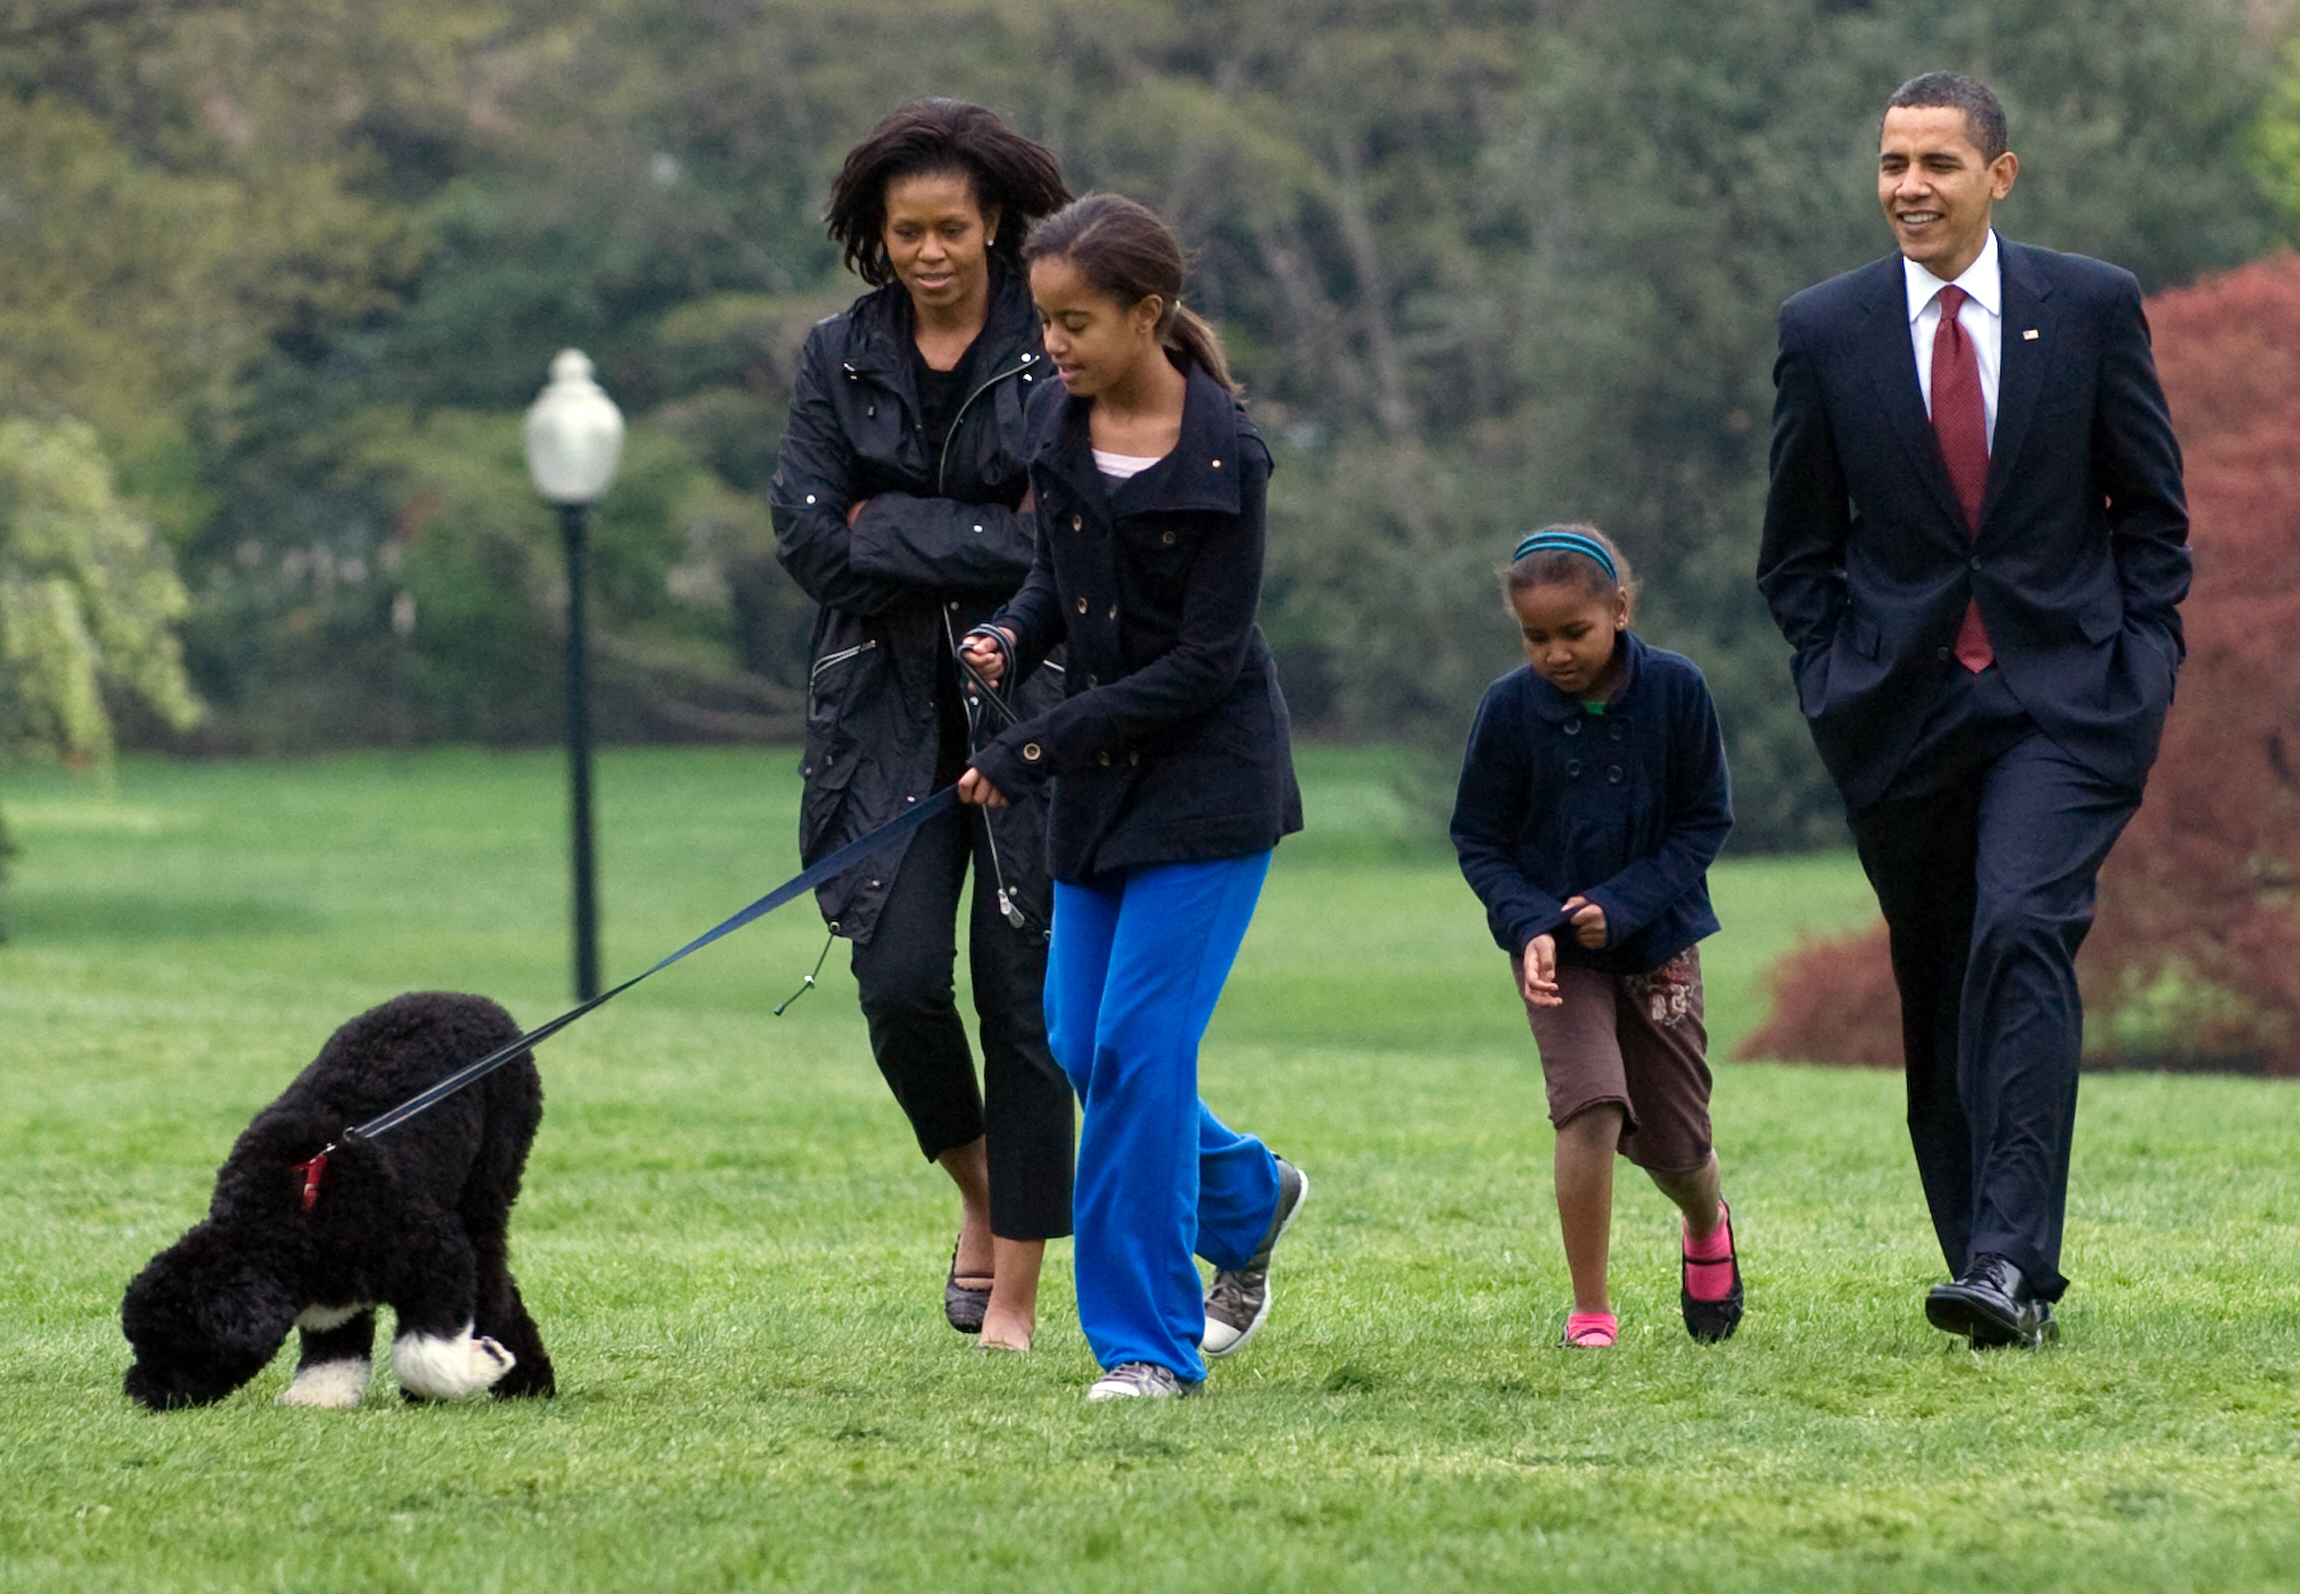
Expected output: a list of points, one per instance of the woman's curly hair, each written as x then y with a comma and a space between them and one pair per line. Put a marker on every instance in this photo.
1021, 180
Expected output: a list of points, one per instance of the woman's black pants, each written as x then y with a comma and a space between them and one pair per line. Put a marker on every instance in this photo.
905, 974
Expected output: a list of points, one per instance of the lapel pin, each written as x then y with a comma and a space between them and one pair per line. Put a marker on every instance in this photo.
2028, 335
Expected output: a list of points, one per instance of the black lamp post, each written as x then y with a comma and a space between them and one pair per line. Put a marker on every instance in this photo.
574, 442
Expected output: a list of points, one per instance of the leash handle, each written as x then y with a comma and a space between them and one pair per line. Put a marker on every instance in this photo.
808, 983
983, 692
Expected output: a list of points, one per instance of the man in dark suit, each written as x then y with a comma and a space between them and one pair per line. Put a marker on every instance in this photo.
1976, 542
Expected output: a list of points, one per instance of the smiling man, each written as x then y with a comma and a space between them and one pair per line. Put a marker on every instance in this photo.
1975, 541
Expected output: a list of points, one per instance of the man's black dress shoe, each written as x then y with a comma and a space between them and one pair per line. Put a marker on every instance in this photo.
1991, 1305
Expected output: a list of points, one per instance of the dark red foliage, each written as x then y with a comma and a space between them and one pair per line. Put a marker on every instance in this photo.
1833, 1002
2193, 960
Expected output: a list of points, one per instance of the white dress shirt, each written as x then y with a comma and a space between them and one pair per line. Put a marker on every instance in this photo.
1982, 317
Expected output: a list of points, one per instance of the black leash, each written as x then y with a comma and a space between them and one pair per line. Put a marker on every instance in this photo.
983, 693
805, 880
980, 694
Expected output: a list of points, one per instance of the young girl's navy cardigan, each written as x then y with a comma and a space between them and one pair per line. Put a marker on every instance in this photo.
1627, 808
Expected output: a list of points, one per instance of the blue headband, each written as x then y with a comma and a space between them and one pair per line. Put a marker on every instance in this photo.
1568, 542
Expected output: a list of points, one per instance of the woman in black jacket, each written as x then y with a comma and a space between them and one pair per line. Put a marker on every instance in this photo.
1173, 782
901, 505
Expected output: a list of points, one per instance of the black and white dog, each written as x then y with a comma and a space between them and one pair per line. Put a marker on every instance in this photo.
414, 1220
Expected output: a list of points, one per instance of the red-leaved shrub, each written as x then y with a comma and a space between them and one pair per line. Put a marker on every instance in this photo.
1833, 1002
2192, 961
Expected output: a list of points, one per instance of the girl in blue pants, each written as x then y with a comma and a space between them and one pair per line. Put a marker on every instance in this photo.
1175, 782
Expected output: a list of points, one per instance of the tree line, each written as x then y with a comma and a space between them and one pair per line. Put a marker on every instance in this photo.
293, 268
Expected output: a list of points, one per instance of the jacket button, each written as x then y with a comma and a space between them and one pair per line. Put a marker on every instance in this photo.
1614, 731
1133, 758
1103, 759
977, 532
1942, 654
1217, 464
953, 604
1613, 775
1092, 681
1031, 752
1077, 522
1167, 539
1114, 611
1573, 727
1975, 561
1081, 605
810, 498
1573, 766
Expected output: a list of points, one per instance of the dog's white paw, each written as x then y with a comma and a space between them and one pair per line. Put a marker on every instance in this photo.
435, 1368
334, 1384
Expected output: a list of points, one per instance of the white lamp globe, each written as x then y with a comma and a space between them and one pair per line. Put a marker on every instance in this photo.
574, 434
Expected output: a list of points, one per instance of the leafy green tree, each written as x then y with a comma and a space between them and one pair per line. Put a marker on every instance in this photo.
1482, 264
1677, 187
87, 600
2276, 142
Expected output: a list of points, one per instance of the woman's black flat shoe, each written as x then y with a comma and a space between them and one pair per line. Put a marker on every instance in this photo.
962, 1303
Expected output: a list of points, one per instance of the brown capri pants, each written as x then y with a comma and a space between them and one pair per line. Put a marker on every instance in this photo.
1637, 1040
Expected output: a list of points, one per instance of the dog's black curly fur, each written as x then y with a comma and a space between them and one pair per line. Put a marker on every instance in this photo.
415, 1220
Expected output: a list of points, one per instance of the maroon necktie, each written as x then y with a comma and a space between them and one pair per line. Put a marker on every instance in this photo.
1961, 423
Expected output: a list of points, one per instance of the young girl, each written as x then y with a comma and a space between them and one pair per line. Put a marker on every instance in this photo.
1175, 782
1593, 798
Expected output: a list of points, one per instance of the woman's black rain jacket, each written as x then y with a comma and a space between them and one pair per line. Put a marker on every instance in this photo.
941, 545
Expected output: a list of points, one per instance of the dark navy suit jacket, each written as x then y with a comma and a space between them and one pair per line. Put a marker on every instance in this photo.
2081, 555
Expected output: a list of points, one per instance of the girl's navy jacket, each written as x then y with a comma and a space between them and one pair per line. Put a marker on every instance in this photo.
1172, 742
1626, 808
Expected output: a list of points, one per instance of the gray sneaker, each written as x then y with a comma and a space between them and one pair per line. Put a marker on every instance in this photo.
1239, 1298
1139, 1381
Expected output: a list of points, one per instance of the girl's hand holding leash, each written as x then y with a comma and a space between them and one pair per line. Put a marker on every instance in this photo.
984, 650
1588, 921
979, 647
1537, 977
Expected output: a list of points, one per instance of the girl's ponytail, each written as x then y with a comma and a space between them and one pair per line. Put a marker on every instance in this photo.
1125, 251
1188, 333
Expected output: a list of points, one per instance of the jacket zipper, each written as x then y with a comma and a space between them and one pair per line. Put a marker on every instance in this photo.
942, 465
840, 657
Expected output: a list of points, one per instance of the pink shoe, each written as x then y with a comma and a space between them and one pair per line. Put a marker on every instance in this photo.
1709, 1282
1590, 1331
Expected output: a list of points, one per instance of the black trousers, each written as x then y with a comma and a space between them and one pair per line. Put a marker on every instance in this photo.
905, 975
1983, 855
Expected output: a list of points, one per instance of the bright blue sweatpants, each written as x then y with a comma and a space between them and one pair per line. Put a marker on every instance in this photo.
1137, 962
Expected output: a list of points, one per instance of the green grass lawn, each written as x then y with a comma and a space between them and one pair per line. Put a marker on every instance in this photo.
735, 1253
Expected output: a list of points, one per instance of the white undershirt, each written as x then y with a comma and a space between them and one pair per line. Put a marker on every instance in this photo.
1981, 315
1124, 467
